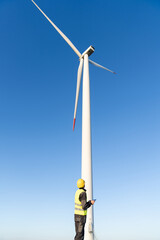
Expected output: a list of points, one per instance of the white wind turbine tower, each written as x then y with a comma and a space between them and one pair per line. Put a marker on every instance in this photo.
86, 170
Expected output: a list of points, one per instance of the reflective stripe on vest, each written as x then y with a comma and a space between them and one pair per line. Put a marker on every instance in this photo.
78, 206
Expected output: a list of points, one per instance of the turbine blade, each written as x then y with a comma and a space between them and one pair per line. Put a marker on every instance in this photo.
98, 65
79, 75
60, 32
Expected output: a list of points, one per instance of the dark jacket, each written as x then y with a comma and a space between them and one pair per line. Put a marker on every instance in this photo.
85, 206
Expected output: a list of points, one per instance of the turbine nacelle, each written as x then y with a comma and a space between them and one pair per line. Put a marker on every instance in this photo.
89, 51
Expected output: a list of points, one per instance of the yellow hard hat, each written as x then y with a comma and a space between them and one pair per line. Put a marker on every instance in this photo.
80, 183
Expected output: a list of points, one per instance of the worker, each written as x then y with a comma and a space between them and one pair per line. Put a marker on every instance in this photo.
81, 206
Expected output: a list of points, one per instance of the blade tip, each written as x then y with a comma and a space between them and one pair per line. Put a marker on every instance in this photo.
74, 121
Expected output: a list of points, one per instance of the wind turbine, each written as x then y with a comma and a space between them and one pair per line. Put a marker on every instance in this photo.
86, 168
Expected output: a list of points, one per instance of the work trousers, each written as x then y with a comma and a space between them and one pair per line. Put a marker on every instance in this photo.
79, 227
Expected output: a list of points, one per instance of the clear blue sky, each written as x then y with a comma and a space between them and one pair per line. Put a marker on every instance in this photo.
40, 155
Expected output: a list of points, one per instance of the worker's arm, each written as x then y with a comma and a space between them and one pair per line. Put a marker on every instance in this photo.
83, 200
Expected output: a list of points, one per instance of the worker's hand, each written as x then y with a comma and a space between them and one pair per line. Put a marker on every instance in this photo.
92, 201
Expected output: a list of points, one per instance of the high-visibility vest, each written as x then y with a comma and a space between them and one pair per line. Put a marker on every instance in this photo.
78, 205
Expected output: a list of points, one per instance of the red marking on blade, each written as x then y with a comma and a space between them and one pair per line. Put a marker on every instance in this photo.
74, 121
